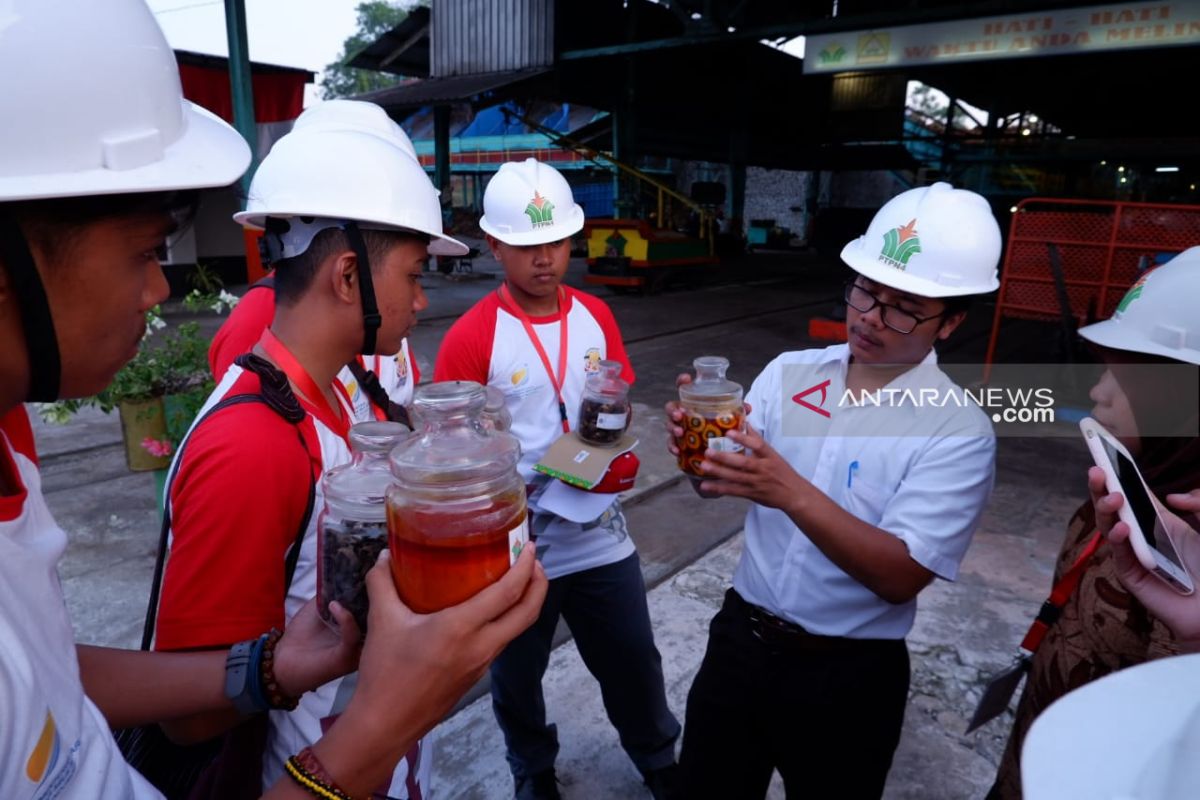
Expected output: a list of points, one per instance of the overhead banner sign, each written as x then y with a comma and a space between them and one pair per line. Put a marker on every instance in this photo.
1046, 33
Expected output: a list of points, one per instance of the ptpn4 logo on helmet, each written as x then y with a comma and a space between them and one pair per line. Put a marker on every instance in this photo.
540, 211
1134, 293
900, 244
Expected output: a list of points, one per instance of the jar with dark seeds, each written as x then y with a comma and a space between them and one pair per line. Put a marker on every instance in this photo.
352, 528
605, 410
603, 422
348, 551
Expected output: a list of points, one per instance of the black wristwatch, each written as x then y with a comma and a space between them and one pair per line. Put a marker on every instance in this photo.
241, 679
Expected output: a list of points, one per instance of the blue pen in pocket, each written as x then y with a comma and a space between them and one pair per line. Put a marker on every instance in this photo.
850, 474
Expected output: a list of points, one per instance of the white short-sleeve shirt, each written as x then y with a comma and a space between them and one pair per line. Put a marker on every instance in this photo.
489, 345
54, 742
927, 486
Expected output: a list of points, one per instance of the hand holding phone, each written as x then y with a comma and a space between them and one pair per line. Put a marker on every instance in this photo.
1149, 531
1180, 612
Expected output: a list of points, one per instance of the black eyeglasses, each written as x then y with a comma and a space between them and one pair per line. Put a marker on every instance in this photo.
895, 318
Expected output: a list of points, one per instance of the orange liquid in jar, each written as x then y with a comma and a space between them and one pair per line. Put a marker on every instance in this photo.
440, 560
697, 430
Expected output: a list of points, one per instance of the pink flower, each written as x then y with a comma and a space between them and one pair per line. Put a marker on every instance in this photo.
157, 448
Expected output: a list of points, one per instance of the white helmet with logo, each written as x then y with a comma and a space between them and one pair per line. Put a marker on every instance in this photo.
332, 169
527, 202
92, 105
934, 241
1158, 314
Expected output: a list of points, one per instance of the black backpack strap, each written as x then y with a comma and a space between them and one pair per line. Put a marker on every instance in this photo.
272, 385
293, 556
369, 382
267, 282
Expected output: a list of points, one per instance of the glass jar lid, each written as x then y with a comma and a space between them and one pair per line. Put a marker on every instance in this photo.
710, 384
607, 380
495, 400
452, 445
376, 436
356, 490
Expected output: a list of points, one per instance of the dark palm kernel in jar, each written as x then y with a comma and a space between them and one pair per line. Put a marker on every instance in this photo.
350, 550
603, 422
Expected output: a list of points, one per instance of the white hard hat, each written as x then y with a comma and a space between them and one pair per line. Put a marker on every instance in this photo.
934, 241
92, 105
346, 172
1132, 735
1159, 313
354, 115
528, 202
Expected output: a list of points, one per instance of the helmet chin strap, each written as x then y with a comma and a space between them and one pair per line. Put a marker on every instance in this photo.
41, 343
366, 287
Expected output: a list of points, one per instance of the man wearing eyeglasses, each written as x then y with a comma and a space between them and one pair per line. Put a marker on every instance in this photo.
869, 476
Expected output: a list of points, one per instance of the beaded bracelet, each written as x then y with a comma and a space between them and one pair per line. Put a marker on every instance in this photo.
305, 769
272, 694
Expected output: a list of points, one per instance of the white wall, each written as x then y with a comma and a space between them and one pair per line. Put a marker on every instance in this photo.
774, 193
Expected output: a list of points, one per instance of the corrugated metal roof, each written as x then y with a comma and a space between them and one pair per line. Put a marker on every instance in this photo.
477, 36
461, 88
404, 50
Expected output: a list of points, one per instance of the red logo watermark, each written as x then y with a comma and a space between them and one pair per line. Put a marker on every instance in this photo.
823, 388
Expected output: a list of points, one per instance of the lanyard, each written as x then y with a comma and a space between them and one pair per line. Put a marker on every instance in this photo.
297, 374
557, 383
1062, 591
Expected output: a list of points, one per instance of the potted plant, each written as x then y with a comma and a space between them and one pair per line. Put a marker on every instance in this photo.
160, 391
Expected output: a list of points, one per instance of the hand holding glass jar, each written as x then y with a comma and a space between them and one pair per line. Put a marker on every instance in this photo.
711, 406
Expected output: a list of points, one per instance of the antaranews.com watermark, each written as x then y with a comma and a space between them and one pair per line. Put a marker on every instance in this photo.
1035, 400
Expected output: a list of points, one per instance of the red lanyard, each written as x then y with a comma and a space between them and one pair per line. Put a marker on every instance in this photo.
556, 382
297, 374
1059, 595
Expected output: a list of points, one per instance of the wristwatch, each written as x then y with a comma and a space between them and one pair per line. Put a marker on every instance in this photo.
241, 679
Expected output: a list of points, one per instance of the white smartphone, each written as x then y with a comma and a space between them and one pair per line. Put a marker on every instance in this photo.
1140, 511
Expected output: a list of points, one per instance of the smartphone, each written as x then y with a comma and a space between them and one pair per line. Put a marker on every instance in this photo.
1147, 529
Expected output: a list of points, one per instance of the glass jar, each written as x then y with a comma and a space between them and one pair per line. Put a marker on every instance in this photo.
352, 529
456, 509
605, 411
712, 406
495, 411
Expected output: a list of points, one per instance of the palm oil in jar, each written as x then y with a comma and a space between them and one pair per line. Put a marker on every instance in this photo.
456, 511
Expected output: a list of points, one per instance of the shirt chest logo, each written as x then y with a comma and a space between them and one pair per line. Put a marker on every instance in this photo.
591, 361
520, 375
45, 752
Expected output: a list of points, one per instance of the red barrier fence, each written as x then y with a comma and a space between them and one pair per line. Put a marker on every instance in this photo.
1098, 250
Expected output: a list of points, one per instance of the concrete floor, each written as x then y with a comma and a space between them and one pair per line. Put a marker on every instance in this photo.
963, 631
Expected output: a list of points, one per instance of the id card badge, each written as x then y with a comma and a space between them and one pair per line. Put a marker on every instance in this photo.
999, 691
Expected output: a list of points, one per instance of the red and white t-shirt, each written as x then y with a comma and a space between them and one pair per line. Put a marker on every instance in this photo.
54, 742
253, 314
237, 501
489, 345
